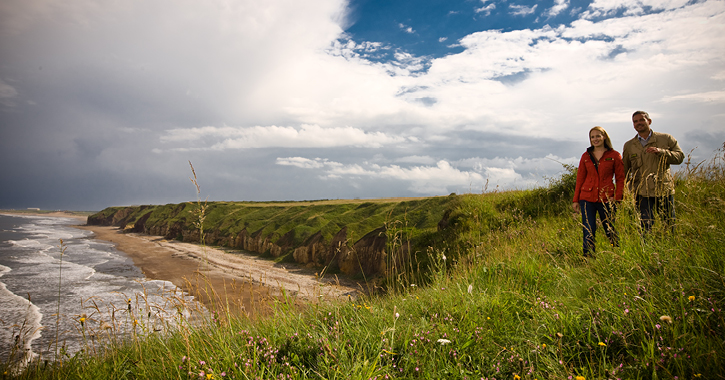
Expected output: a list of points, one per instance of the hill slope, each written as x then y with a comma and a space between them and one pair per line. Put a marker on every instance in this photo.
349, 236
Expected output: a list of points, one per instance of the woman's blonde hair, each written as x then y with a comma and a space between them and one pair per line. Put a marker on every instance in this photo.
607, 141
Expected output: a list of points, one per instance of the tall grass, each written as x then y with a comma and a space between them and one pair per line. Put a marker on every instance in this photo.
510, 298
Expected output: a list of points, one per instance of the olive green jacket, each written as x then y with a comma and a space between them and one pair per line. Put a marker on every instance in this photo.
649, 174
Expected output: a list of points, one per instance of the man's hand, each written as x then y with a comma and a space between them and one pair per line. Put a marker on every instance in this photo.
575, 206
653, 150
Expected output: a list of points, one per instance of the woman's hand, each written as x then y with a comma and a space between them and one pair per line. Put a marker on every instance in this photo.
575, 206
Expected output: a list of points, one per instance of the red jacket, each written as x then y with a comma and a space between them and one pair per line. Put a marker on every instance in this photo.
595, 185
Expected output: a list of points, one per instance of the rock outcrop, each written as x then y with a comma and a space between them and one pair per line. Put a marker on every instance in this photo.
367, 255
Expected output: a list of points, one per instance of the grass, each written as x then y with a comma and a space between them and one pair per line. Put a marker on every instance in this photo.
509, 296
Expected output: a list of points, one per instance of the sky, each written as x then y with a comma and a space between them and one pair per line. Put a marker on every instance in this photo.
106, 103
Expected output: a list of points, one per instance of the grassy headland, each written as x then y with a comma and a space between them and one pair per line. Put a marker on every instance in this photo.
508, 296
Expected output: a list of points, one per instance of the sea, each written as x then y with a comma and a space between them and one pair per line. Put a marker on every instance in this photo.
63, 292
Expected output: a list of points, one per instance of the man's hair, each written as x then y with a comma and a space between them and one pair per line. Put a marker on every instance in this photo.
607, 141
645, 114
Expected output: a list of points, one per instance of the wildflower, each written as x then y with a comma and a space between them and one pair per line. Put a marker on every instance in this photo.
602, 344
135, 322
691, 298
580, 378
444, 257
183, 359
666, 318
397, 315
470, 289
517, 377
543, 345
558, 335
626, 311
443, 342
209, 376
82, 320
658, 326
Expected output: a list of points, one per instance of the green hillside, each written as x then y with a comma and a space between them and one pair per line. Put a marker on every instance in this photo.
290, 225
507, 295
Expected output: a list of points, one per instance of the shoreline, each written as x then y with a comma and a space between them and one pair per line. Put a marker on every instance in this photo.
233, 279
240, 282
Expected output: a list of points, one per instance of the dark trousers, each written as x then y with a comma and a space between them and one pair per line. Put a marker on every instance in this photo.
662, 206
606, 213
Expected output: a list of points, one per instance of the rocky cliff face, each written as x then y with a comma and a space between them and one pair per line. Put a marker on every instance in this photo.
365, 256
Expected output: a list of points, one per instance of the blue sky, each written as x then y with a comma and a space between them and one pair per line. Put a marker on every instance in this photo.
104, 103
433, 28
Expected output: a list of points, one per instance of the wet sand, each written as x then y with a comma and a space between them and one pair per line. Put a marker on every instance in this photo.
236, 279
219, 277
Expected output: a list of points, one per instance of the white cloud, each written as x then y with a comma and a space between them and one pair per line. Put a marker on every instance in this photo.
522, 10
406, 29
306, 136
603, 8
517, 172
167, 76
559, 6
301, 162
430, 180
702, 97
487, 9
435, 178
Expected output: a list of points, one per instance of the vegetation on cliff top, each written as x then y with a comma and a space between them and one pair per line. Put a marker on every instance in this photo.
297, 220
516, 300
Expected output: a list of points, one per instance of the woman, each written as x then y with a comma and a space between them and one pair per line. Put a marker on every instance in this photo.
595, 191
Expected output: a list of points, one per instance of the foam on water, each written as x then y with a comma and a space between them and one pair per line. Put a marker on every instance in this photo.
90, 280
19, 323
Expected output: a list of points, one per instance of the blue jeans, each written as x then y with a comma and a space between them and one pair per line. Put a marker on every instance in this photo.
662, 206
606, 213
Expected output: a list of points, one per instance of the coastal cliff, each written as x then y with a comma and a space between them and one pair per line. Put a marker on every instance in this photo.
354, 237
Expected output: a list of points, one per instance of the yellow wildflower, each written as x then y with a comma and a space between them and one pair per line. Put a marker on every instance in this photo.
543, 345
602, 344
517, 377
580, 378
691, 298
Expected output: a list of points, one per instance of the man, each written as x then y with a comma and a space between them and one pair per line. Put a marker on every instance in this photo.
647, 159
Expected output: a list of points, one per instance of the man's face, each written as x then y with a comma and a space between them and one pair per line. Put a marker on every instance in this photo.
641, 123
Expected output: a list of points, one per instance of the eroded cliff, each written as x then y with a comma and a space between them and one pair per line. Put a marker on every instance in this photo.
354, 237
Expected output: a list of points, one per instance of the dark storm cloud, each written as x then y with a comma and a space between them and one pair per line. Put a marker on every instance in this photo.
104, 103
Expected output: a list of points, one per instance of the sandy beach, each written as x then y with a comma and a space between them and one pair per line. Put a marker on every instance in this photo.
242, 281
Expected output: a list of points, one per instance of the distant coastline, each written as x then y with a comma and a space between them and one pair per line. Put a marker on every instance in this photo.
244, 280
80, 215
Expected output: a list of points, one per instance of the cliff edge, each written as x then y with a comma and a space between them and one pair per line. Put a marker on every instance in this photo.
353, 237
